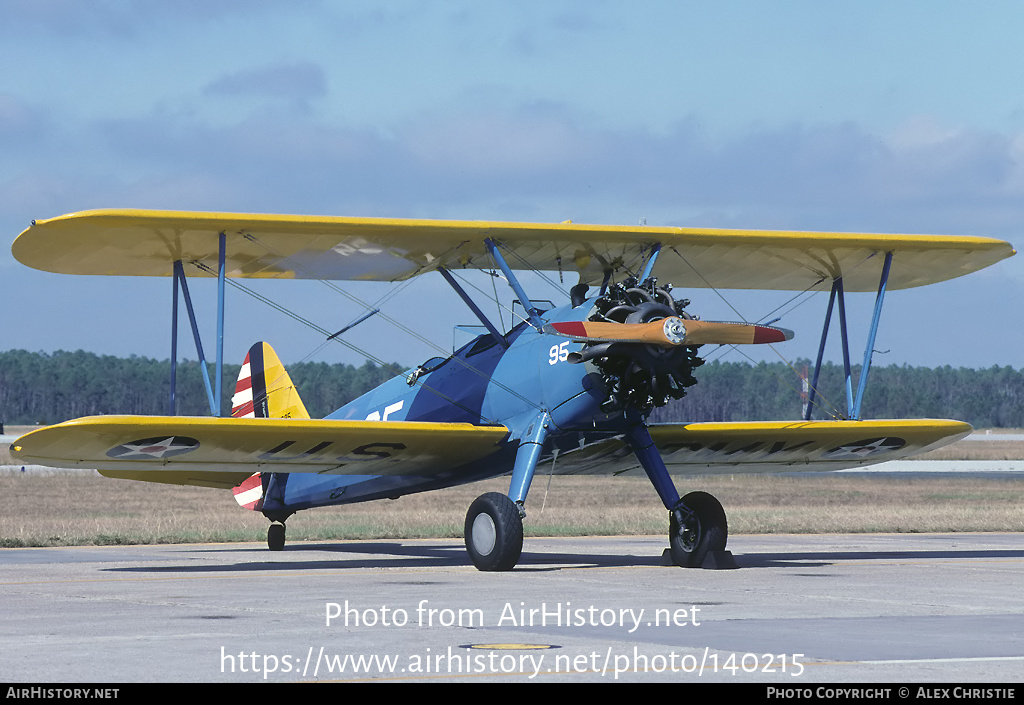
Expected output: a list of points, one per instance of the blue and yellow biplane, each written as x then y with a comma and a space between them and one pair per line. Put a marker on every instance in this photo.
570, 385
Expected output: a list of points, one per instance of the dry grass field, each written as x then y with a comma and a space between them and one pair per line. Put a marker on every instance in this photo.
57, 508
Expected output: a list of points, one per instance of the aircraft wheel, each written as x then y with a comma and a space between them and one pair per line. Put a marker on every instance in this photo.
275, 536
704, 530
494, 532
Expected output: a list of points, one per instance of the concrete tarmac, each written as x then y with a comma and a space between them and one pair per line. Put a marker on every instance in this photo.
799, 610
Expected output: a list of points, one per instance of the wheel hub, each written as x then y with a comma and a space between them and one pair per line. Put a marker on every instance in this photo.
689, 528
484, 534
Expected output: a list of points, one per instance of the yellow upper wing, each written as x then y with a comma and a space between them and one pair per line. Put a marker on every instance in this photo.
225, 451
145, 243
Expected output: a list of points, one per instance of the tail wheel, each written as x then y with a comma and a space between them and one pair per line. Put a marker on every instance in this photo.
693, 534
494, 532
275, 536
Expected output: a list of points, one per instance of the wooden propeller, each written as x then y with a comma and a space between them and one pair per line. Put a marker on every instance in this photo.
670, 332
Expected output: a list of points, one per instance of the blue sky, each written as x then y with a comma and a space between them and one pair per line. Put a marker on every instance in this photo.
874, 116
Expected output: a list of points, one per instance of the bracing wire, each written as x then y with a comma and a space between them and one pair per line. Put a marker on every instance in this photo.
835, 413
369, 356
466, 365
537, 272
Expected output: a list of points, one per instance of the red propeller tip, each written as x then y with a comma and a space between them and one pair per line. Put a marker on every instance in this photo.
767, 334
571, 328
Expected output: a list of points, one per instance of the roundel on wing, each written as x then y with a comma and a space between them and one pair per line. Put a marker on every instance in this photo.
865, 448
154, 448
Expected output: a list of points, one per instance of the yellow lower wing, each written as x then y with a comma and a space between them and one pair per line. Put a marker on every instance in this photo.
770, 446
224, 451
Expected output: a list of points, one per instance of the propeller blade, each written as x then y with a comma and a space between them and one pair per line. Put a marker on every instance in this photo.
669, 332
723, 333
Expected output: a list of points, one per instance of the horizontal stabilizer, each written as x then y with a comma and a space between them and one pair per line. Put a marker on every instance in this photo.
249, 493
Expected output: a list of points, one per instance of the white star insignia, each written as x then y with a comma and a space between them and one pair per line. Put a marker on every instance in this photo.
154, 448
867, 447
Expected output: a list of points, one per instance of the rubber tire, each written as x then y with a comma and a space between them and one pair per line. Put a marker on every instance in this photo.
494, 532
712, 531
275, 537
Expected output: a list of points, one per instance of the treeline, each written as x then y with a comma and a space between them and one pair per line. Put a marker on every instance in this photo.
44, 388
992, 397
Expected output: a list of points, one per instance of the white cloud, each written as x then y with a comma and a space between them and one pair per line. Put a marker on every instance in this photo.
300, 81
542, 159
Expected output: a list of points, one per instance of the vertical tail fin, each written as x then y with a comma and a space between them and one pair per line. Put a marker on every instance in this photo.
263, 390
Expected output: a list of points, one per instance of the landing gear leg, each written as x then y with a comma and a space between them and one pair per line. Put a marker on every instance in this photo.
697, 524
494, 523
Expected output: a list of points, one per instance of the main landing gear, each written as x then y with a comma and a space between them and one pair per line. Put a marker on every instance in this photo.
697, 531
494, 523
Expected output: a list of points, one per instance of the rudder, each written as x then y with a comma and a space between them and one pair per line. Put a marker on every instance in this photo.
264, 390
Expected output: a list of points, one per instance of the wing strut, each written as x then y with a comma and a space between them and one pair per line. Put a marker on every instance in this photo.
837, 294
649, 267
473, 307
853, 403
173, 410
869, 349
213, 390
514, 283
179, 276
221, 252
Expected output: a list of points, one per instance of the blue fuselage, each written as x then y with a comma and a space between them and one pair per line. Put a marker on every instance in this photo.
486, 382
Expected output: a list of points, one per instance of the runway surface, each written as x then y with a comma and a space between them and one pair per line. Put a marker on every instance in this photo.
906, 608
